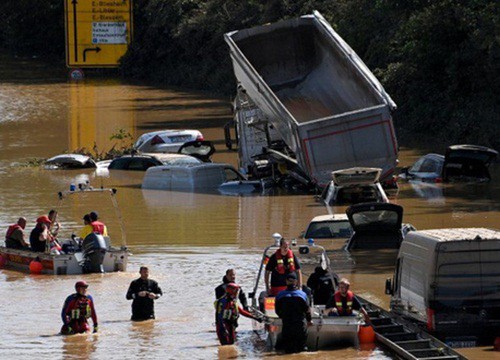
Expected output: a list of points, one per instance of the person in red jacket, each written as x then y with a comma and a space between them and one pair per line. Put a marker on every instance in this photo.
343, 302
15, 237
227, 312
97, 226
280, 264
77, 308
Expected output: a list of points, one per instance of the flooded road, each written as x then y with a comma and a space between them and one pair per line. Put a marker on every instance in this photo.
187, 240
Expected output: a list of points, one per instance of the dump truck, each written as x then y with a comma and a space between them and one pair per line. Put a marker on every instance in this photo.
305, 99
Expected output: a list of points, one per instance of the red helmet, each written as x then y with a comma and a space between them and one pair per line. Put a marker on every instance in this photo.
232, 289
43, 219
80, 284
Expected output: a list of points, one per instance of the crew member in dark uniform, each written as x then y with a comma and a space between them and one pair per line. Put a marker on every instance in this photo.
220, 290
143, 292
321, 284
292, 307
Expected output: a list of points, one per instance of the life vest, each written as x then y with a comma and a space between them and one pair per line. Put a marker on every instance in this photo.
338, 303
227, 309
290, 265
97, 227
81, 309
11, 230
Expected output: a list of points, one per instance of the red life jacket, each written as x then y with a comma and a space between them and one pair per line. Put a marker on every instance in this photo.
281, 266
97, 227
338, 303
11, 230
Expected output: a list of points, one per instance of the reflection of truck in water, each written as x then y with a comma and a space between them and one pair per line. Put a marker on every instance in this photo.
307, 101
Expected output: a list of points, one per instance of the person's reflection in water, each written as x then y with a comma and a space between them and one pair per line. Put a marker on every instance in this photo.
143, 333
228, 352
80, 346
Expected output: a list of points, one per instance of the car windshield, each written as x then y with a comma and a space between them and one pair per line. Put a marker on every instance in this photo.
329, 229
380, 217
358, 194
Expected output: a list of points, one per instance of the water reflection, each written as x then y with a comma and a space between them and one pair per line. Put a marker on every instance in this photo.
97, 110
79, 346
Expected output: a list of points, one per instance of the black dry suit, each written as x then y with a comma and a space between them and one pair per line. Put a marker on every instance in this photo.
143, 307
292, 307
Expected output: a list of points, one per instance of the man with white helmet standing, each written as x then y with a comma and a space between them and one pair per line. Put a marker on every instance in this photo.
280, 264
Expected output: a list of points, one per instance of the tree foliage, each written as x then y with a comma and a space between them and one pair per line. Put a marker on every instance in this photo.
437, 58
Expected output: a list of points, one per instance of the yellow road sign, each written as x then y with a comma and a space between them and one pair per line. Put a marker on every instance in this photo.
98, 32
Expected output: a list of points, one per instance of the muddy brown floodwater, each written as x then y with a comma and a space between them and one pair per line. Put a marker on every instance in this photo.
188, 240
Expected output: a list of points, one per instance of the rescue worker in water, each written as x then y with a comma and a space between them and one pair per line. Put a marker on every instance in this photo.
293, 309
143, 292
77, 308
227, 312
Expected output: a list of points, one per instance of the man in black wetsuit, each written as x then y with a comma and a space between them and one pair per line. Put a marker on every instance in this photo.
143, 292
292, 307
220, 290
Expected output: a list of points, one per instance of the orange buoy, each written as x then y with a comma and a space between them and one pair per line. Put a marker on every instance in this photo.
3, 261
36, 267
496, 345
366, 334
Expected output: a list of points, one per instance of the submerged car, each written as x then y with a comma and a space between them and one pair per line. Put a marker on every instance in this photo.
353, 186
193, 152
196, 177
460, 163
142, 162
166, 140
376, 226
70, 161
328, 227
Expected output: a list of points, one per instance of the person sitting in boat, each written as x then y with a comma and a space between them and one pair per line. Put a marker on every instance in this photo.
97, 226
15, 237
87, 228
321, 284
77, 308
280, 264
227, 312
230, 277
54, 226
343, 302
293, 308
40, 236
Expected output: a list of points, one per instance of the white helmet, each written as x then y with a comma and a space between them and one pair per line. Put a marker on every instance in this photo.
277, 238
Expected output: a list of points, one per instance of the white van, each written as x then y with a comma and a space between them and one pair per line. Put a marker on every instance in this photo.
191, 177
449, 281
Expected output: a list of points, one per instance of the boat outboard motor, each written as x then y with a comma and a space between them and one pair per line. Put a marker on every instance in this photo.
94, 250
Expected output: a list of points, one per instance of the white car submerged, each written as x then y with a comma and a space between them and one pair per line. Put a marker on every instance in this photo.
164, 141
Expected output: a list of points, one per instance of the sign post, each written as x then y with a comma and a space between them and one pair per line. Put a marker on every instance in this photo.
98, 32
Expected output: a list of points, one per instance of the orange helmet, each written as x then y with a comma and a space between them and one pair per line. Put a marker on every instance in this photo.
232, 289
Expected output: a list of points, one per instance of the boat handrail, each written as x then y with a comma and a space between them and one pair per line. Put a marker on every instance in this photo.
85, 188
